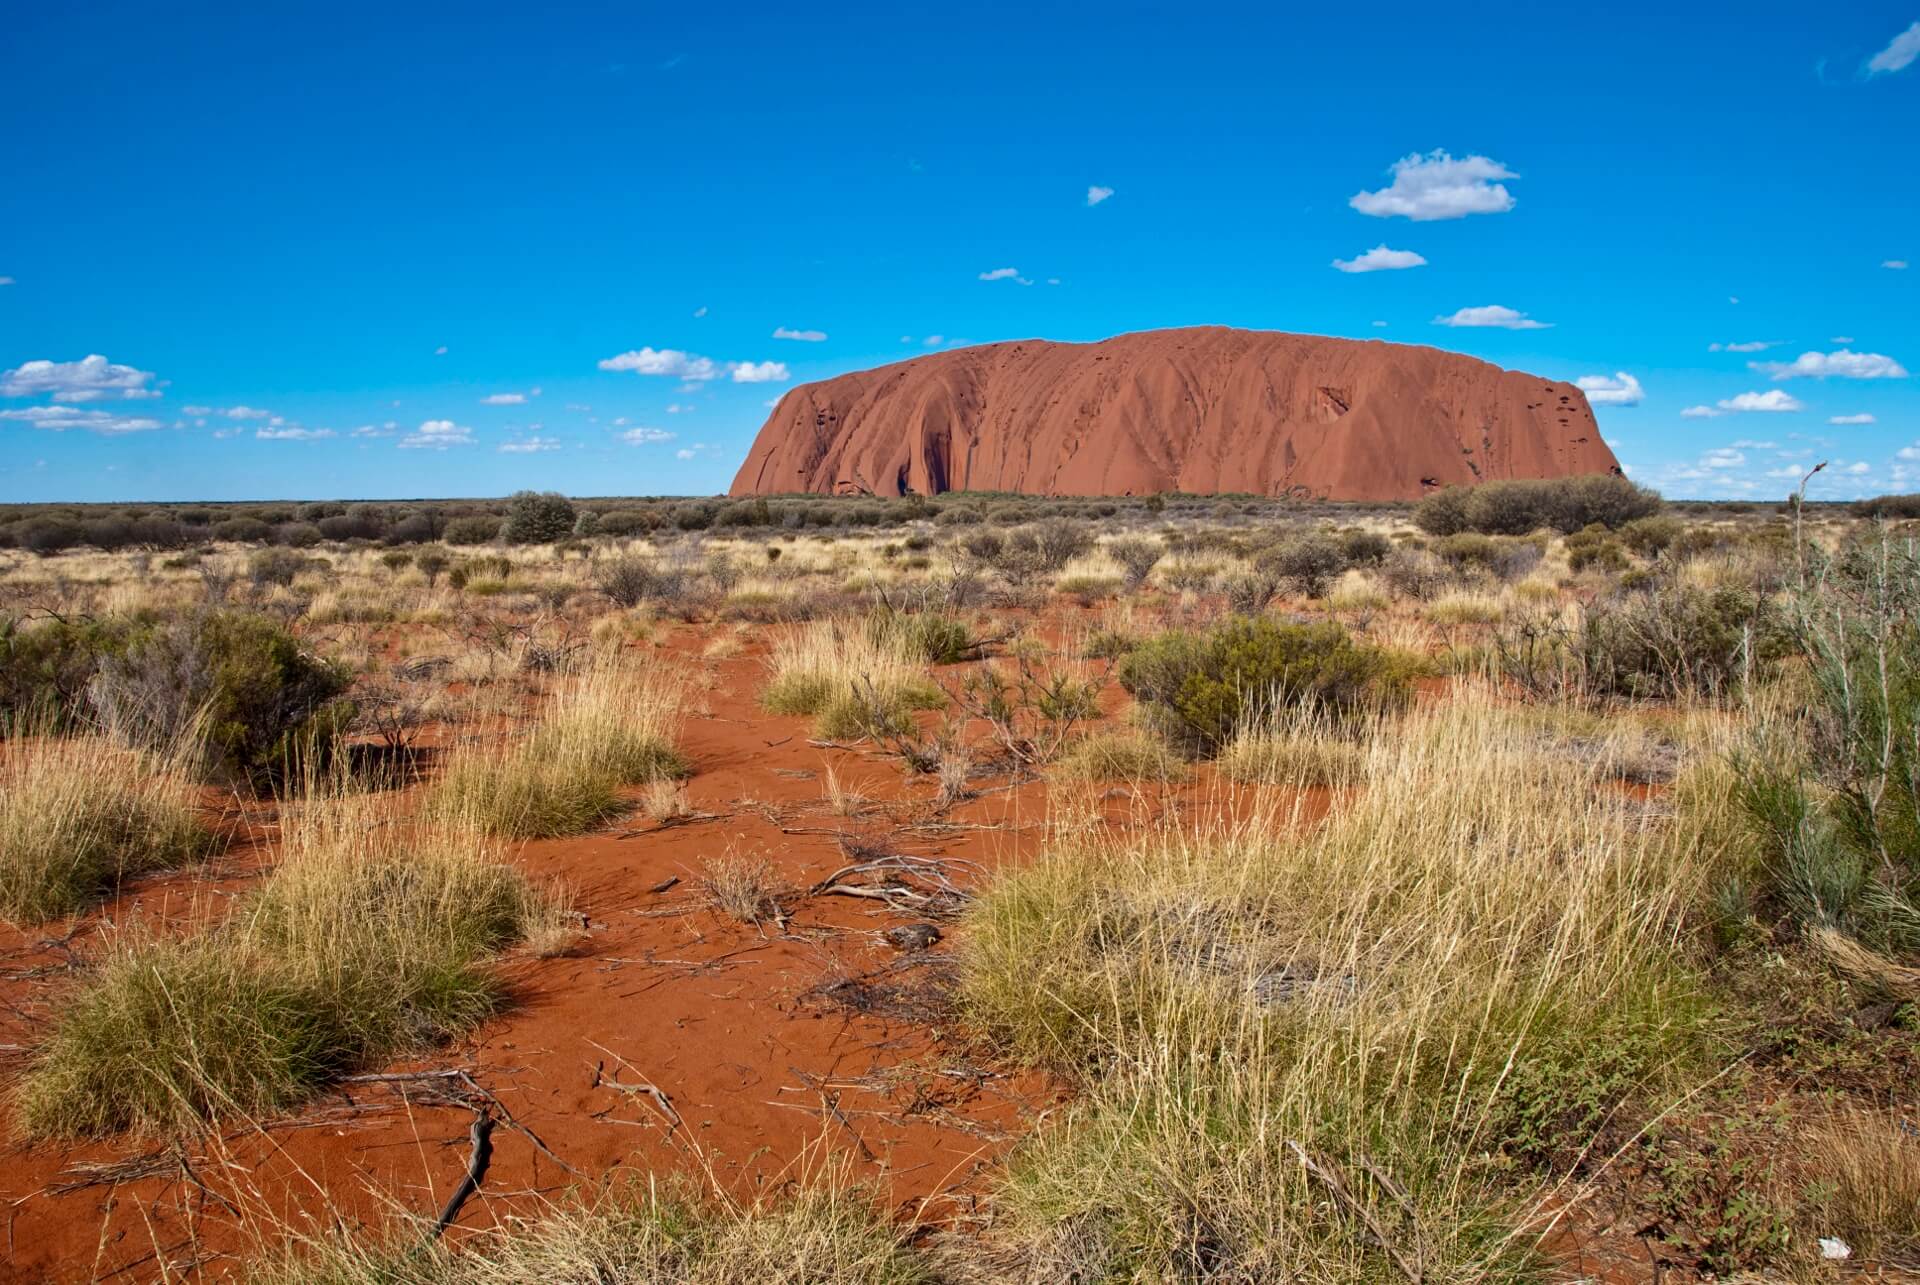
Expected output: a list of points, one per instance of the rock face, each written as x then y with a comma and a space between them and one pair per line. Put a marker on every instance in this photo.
1207, 409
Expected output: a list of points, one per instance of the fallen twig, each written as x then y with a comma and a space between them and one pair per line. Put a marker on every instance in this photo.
480, 1139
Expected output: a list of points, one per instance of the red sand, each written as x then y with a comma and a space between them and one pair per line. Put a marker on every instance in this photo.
1199, 410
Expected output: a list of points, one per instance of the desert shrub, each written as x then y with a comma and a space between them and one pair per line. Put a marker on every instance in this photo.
538, 517
77, 817
1651, 536
1197, 690
853, 682
1518, 506
1056, 542
368, 939
47, 663
1365, 548
960, 515
275, 567
476, 529
1594, 548
1137, 559
1415, 573
238, 681
1251, 592
297, 535
1678, 640
1306, 563
432, 564
630, 580
242, 530
931, 638
1888, 506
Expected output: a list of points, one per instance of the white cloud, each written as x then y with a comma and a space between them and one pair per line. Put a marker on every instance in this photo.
701, 311
92, 378
9, 281
804, 336
61, 418
1852, 419
1380, 323
685, 453
1700, 412
644, 436
1774, 399
1381, 259
437, 435
1492, 315
293, 433
527, 446
1898, 265
1097, 194
1756, 345
1843, 364
237, 412
934, 341
1899, 53
1005, 274
1436, 186
504, 399
368, 430
1620, 389
1909, 452
1722, 457
1842, 340
764, 372
664, 361
677, 409
1857, 467
441, 351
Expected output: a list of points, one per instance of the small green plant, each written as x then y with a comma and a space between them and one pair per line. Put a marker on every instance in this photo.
1197, 690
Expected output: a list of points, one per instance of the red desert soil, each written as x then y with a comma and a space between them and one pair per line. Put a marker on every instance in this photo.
742, 1027
1200, 410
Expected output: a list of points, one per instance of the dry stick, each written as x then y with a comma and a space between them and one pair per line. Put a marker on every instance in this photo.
506, 1116
480, 1136
1329, 1175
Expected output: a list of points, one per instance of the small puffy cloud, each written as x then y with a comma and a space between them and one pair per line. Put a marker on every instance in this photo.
1097, 194
1899, 53
1843, 364
368, 430
441, 351
1492, 315
1908, 452
1722, 457
685, 453
437, 435
645, 436
1380, 323
292, 433
1897, 265
92, 378
7, 281
803, 336
1000, 274
759, 372
1852, 419
1857, 467
241, 412
1700, 412
529, 445
664, 361
1754, 345
1618, 389
1436, 186
1842, 340
1381, 259
61, 418
933, 341
504, 399
701, 311
1774, 400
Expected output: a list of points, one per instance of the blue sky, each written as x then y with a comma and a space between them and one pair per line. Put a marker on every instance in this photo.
314, 247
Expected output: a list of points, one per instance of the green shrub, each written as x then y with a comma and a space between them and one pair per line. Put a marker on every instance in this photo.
46, 665
1197, 690
538, 517
1306, 564
238, 680
1677, 640
1518, 506
478, 529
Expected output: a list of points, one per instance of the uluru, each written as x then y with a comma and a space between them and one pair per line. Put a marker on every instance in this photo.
1198, 410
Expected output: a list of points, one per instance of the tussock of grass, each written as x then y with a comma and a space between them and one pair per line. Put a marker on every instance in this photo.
1468, 966
611, 729
823, 1232
853, 681
370, 938
1867, 1169
79, 815
1118, 756
1305, 755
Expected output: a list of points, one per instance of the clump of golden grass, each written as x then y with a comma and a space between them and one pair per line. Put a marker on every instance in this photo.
611, 728
78, 815
742, 887
1356, 591
1461, 608
1867, 1168
1295, 749
816, 1232
1118, 756
1261, 1012
368, 939
854, 680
